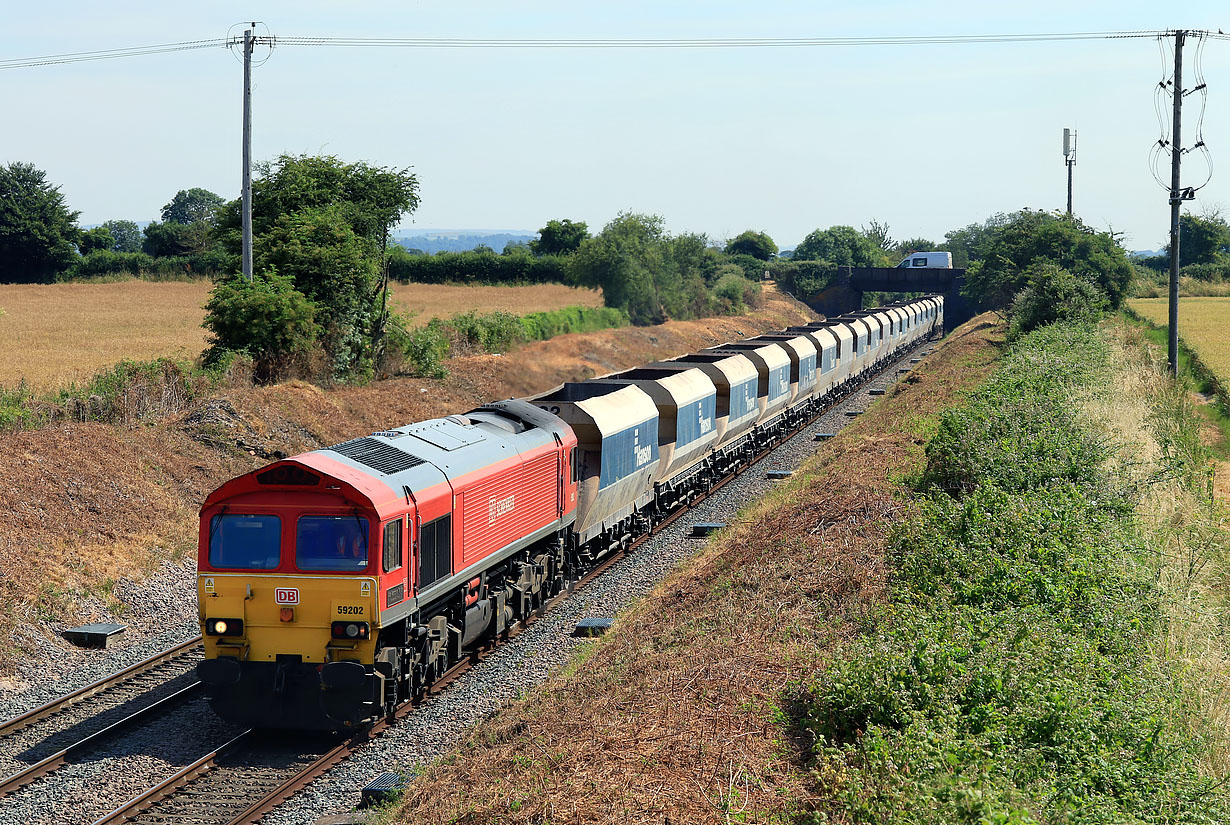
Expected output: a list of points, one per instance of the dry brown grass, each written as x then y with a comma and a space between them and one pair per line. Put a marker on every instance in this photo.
55, 334
1187, 529
674, 715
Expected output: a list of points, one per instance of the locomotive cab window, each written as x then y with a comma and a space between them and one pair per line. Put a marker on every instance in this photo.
331, 543
435, 551
576, 465
245, 542
392, 545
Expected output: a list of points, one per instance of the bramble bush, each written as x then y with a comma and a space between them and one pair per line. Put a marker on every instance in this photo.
1014, 678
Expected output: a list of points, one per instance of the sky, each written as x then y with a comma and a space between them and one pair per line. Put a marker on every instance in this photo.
923, 138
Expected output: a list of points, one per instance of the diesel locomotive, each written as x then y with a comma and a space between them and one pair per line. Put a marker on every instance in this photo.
335, 584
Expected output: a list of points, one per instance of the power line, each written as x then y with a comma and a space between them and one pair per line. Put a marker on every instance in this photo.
703, 43
570, 43
111, 54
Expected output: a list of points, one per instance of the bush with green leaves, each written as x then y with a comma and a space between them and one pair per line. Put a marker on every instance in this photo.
1012, 250
733, 293
477, 268
1053, 294
1015, 676
267, 318
1018, 430
802, 279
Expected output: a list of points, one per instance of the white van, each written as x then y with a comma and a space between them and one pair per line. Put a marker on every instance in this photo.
927, 260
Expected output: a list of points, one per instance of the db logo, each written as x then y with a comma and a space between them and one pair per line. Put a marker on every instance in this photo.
286, 595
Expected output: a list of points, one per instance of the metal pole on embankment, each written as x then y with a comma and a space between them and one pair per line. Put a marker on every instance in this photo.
248, 44
1176, 200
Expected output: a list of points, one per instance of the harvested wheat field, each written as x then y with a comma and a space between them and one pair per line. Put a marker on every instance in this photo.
425, 301
1202, 326
53, 335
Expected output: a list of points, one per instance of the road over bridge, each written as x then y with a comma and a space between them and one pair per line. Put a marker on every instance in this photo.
845, 294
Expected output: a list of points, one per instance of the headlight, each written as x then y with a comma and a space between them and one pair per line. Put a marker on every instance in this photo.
351, 631
224, 627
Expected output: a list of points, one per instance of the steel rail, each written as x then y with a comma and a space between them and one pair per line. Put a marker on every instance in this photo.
181, 777
58, 759
68, 700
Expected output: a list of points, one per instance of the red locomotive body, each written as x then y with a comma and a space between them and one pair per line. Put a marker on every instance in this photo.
337, 582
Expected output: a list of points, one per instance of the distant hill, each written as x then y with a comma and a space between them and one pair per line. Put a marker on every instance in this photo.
462, 240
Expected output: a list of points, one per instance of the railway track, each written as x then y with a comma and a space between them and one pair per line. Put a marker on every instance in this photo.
102, 710
252, 774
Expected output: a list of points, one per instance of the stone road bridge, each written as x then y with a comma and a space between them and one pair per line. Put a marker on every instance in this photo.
845, 294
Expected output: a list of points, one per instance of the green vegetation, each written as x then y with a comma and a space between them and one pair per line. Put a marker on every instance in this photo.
750, 242
1010, 252
652, 275
497, 332
1015, 677
323, 224
38, 232
473, 268
268, 319
129, 392
559, 237
842, 246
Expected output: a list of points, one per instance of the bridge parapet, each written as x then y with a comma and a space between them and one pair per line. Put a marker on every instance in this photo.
845, 294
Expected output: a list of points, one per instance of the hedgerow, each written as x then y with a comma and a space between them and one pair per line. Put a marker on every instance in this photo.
1014, 678
498, 332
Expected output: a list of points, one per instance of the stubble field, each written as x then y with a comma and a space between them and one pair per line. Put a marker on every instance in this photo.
52, 335
1202, 325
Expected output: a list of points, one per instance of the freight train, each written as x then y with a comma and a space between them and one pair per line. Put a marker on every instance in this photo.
336, 584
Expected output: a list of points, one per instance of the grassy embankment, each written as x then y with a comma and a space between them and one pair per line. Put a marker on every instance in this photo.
1202, 334
55, 335
1021, 624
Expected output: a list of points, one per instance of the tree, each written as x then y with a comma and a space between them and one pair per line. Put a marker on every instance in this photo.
94, 240
750, 242
1202, 240
877, 233
841, 245
911, 245
1042, 237
168, 240
126, 234
191, 206
338, 270
561, 237
968, 244
325, 224
38, 232
622, 260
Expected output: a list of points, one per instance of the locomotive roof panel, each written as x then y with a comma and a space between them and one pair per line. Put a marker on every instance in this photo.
423, 455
